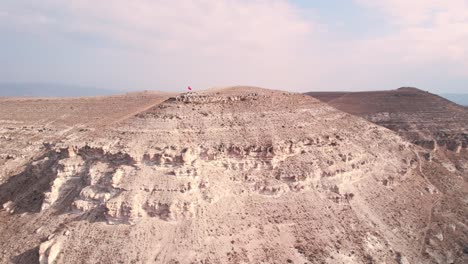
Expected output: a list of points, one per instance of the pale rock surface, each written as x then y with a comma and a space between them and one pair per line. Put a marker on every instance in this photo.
234, 175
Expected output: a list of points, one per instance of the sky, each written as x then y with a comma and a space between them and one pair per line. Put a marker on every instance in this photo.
296, 45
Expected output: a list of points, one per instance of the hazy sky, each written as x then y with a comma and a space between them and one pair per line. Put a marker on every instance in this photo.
291, 45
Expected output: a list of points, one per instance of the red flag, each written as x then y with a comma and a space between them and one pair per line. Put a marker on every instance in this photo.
189, 88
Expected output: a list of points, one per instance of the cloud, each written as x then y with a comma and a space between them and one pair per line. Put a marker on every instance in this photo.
420, 12
156, 44
173, 25
425, 31
248, 40
207, 26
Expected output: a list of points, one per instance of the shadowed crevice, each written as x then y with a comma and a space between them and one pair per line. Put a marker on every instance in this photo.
30, 256
26, 189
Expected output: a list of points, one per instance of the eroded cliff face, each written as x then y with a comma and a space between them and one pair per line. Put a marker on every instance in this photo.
240, 175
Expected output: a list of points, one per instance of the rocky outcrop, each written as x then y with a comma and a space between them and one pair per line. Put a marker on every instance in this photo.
195, 98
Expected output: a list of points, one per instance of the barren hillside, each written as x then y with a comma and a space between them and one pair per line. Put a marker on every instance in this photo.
423, 118
235, 175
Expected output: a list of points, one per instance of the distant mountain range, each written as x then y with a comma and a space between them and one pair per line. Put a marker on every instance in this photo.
461, 99
50, 90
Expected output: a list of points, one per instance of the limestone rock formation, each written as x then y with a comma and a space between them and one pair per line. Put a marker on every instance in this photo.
234, 175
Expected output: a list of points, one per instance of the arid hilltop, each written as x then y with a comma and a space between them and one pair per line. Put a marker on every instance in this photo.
233, 175
423, 118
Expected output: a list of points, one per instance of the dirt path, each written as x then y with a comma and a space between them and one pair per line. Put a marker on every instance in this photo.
429, 221
137, 111
428, 226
